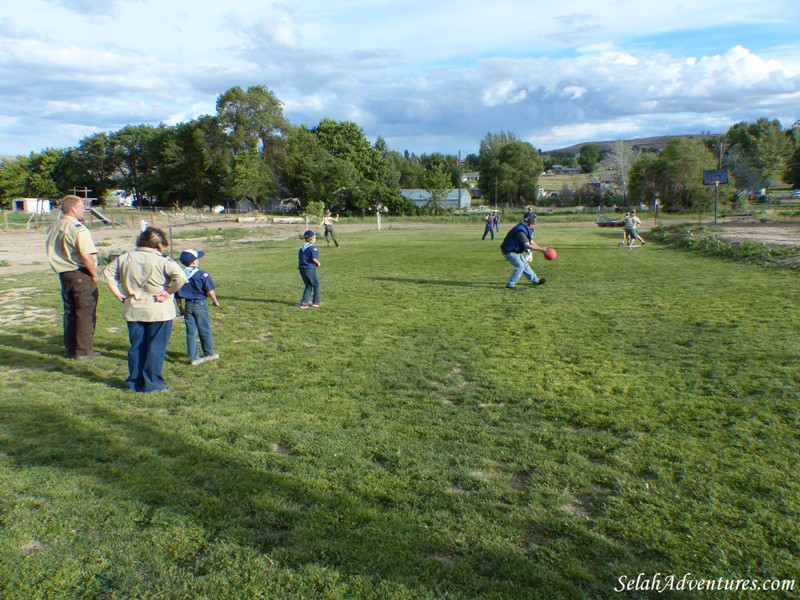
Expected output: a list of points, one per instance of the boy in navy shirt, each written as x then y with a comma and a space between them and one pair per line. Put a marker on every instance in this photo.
192, 305
307, 263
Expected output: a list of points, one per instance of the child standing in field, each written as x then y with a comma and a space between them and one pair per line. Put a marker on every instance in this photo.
192, 305
632, 223
307, 263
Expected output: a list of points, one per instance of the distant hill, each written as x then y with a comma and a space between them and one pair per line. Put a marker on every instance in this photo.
648, 143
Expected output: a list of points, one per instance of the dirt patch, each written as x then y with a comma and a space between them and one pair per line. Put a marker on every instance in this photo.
23, 252
774, 234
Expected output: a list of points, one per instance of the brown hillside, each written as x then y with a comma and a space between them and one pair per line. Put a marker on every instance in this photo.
648, 143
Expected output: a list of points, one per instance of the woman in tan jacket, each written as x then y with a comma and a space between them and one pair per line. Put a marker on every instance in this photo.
144, 280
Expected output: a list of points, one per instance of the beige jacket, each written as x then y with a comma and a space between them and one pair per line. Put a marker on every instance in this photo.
66, 242
140, 275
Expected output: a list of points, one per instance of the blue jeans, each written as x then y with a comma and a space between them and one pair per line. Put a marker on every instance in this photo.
311, 279
146, 357
489, 229
520, 266
195, 317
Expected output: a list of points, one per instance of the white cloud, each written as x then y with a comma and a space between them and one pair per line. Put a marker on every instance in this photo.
411, 71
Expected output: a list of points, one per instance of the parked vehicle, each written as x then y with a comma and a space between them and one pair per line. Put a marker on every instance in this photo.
605, 221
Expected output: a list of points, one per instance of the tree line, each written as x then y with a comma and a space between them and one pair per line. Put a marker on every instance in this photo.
249, 150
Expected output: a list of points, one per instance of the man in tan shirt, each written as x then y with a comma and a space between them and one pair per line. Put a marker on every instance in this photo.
72, 254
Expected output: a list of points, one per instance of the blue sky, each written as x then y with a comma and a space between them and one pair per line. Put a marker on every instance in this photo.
427, 76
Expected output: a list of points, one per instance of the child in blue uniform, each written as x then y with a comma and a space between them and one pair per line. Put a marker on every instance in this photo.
192, 305
307, 263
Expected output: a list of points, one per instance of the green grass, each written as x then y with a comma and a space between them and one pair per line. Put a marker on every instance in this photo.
426, 434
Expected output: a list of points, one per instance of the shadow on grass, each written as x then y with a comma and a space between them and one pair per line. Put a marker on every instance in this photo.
279, 510
446, 282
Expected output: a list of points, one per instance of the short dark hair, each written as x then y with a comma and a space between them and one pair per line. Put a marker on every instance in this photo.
151, 238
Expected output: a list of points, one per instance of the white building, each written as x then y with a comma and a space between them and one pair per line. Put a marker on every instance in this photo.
37, 206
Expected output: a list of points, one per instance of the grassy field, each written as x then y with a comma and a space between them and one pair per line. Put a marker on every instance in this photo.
426, 434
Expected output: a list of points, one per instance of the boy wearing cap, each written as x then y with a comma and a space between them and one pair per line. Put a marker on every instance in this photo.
307, 263
192, 305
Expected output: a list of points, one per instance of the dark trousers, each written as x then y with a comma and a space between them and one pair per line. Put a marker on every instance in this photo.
329, 230
79, 295
146, 357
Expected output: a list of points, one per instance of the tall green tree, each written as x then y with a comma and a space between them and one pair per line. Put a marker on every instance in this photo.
509, 169
251, 178
759, 153
681, 173
194, 165
13, 179
133, 158
521, 167
436, 181
95, 163
489, 162
589, 157
252, 119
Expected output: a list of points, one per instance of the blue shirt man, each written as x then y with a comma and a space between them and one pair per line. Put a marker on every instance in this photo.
517, 242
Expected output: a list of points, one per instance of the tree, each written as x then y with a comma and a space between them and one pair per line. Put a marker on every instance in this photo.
43, 171
521, 167
488, 161
622, 157
346, 140
134, 160
13, 179
681, 172
193, 164
436, 181
792, 173
589, 157
94, 161
250, 177
253, 120
760, 151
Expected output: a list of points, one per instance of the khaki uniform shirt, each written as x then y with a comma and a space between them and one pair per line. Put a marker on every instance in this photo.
66, 242
140, 275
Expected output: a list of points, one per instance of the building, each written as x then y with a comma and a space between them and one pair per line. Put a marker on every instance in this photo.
32, 206
422, 198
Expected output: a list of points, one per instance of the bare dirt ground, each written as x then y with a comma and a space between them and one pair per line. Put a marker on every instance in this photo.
23, 251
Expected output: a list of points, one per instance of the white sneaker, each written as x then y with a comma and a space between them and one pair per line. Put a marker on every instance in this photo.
204, 359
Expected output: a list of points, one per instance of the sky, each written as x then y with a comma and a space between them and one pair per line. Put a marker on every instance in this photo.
426, 76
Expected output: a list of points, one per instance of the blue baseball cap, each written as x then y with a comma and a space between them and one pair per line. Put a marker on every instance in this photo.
308, 233
187, 257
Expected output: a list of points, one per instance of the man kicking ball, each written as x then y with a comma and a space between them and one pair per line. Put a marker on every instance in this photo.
516, 243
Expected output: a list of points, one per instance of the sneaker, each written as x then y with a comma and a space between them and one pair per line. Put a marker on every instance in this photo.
317, 305
196, 361
304, 305
511, 288
211, 357
541, 281
90, 354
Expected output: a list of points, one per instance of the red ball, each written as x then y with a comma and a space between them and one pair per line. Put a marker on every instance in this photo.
550, 254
